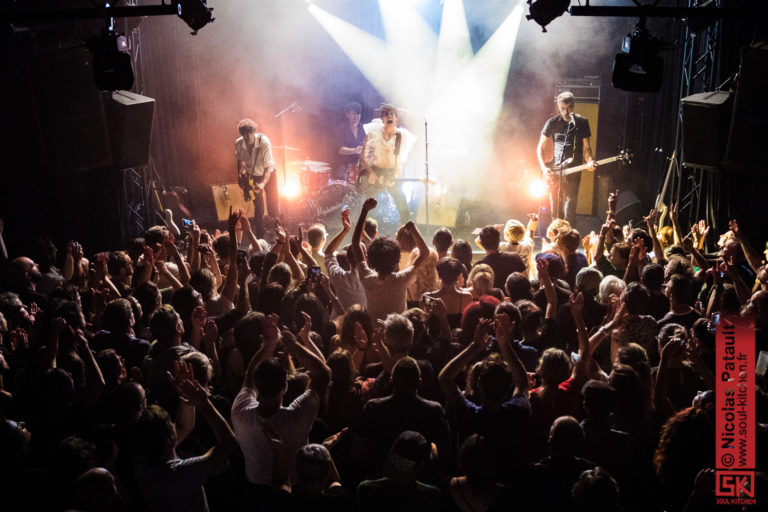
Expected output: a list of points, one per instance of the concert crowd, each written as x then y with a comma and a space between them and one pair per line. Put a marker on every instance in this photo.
224, 372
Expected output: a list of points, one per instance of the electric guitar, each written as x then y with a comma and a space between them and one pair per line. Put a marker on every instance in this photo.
623, 157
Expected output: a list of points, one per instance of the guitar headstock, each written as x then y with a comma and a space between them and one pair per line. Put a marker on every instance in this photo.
625, 156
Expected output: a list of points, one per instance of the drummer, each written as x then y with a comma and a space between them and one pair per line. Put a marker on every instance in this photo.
350, 137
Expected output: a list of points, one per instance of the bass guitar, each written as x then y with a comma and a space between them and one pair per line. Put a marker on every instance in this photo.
624, 157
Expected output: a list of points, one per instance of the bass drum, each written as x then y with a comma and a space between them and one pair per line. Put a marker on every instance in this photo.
328, 202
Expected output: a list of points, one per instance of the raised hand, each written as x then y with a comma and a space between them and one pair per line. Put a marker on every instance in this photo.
542, 267
534, 217
576, 301
734, 227
282, 237
359, 336
674, 213
482, 332
504, 326
183, 379
345, 223
369, 204
613, 199
304, 331
271, 328
198, 318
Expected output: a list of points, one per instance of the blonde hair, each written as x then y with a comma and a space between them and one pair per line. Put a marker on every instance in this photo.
557, 227
666, 236
483, 274
514, 231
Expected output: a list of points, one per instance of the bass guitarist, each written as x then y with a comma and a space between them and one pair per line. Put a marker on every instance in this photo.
570, 134
255, 172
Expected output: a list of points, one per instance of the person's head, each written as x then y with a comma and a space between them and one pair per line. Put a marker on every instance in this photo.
462, 251
271, 298
120, 267
117, 317
342, 368
566, 437
406, 376
95, 490
270, 379
313, 464
564, 102
398, 333
352, 111
477, 458
166, 326
678, 265
588, 281
22, 274
555, 267
518, 287
111, 366
554, 367
404, 239
355, 314
679, 289
596, 491
556, 228
531, 315
634, 355
757, 306
126, 402
442, 240
483, 307
280, 274
15, 312
388, 114
204, 282
384, 256
619, 255
149, 297
247, 128
640, 234
184, 301
489, 238
599, 399
407, 457
685, 445
731, 249
571, 240
201, 367
448, 270
514, 231
371, 228
481, 278
652, 277
316, 236
512, 311
636, 298
610, 285
494, 381
666, 237
155, 236
247, 334
154, 434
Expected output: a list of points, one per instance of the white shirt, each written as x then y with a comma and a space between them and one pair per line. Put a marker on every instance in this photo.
388, 295
292, 423
380, 152
258, 160
349, 289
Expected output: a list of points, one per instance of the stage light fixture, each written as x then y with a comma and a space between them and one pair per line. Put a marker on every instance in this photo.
195, 13
544, 11
639, 67
537, 188
112, 70
290, 189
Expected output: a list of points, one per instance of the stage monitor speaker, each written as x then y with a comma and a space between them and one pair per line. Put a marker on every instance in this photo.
230, 194
706, 117
586, 197
129, 117
747, 133
629, 208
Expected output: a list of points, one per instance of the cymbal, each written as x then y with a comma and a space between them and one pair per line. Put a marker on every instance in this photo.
311, 163
288, 148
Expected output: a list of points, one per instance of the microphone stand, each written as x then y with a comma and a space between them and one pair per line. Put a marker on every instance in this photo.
426, 172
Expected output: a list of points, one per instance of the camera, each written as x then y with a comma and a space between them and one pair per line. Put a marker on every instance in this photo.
314, 272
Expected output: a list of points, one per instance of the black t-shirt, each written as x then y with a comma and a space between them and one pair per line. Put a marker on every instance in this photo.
564, 134
348, 139
503, 264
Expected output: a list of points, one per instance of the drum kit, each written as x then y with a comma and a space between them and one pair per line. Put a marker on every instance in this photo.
324, 198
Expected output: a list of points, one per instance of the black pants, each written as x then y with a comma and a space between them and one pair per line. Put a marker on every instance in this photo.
396, 191
563, 203
273, 206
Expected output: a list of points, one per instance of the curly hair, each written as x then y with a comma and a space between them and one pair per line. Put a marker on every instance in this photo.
384, 256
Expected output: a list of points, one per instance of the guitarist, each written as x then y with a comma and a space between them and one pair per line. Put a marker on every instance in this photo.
255, 172
384, 153
570, 134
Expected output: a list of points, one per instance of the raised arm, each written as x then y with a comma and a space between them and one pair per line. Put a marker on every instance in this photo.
504, 328
753, 258
421, 245
542, 267
447, 377
230, 283
336, 240
319, 373
368, 205
650, 223
270, 339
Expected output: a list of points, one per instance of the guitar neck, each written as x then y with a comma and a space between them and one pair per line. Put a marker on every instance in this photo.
579, 168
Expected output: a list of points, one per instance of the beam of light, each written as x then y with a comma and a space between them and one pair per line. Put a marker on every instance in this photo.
367, 52
537, 188
412, 44
460, 93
